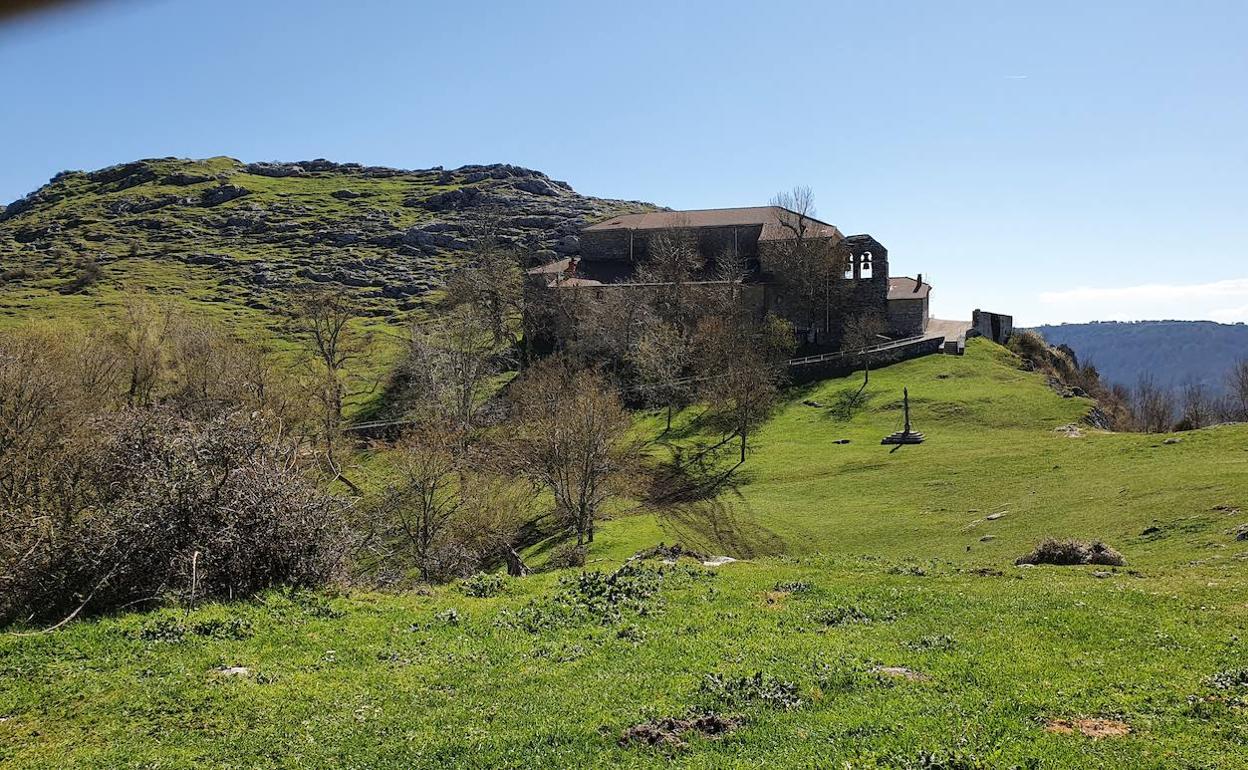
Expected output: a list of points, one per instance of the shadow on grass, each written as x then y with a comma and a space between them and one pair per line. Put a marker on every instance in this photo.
696, 496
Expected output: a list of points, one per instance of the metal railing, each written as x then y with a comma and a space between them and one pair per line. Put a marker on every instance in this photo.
840, 354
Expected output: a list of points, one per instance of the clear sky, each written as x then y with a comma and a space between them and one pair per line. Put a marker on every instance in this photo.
1063, 161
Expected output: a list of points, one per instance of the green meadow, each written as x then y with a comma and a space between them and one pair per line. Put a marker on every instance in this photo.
874, 617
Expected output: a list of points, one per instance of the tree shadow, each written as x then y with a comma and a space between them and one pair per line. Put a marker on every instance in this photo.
696, 496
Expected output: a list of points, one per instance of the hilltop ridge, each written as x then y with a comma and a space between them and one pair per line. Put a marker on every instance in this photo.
244, 233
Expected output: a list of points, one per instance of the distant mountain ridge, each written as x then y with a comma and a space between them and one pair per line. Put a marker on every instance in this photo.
1172, 352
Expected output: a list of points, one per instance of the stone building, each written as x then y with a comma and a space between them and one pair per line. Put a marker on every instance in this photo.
611, 251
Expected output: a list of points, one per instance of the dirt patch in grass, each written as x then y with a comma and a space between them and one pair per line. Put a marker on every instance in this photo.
1092, 728
1073, 552
774, 599
901, 672
673, 732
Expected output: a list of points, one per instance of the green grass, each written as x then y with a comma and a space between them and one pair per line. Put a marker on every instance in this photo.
891, 541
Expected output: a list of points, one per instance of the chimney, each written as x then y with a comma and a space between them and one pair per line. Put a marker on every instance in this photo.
918, 284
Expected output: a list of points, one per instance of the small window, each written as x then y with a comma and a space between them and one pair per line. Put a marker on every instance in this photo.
864, 264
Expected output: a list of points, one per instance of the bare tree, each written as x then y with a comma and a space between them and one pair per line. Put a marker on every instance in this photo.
1198, 407
141, 338
862, 331
451, 360
426, 492
662, 356
325, 320
808, 265
491, 280
672, 262
1153, 406
741, 368
1237, 387
570, 439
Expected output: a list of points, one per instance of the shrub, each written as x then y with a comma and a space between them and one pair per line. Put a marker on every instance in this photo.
748, 690
568, 555
164, 507
1073, 552
483, 585
88, 273
793, 586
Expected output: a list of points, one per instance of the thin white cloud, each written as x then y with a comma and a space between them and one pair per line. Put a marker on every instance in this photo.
1228, 315
1225, 301
1153, 292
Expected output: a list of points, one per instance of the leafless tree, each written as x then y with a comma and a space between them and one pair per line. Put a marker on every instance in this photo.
426, 491
140, 335
451, 360
1198, 408
808, 266
491, 280
570, 439
741, 368
326, 322
1152, 406
672, 262
661, 357
1237, 387
863, 331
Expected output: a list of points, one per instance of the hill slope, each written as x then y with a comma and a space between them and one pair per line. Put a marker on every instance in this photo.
878, 621
1173, 352
236, 237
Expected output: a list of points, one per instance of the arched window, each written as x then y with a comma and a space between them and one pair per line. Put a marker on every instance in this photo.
864, 265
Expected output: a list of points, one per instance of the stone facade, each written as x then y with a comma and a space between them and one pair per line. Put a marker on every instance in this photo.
907, 317
610, 252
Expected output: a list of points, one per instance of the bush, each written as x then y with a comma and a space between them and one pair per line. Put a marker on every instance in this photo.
748, 690
1073, 552
483, 585
88, 274
568, 555
164, 507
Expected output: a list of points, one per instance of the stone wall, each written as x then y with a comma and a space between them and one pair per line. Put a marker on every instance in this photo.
634, 245
907, 317
840, 367
995, 326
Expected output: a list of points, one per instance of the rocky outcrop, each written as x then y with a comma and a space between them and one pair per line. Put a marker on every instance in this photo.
387, 235
218, 195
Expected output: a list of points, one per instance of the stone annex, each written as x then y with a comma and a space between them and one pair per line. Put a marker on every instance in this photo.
611, 251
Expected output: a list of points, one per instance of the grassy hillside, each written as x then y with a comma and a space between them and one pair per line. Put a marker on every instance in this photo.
234, 239
875, 619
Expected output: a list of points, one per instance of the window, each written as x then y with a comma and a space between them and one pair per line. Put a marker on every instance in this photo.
864, 265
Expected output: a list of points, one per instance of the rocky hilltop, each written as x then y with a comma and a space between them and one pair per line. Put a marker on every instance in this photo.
257, 229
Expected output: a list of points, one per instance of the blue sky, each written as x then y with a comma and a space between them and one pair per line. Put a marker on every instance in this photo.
1060, 161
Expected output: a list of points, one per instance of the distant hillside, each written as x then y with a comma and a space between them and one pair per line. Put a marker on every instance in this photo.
237, 236
1174, 352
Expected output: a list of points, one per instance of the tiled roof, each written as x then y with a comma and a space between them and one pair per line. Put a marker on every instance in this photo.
903, 287
774, 219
